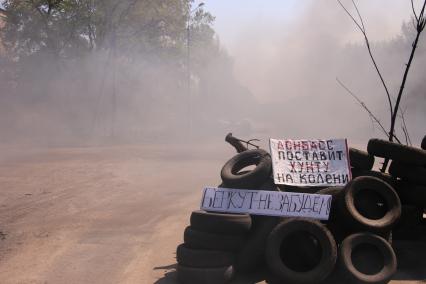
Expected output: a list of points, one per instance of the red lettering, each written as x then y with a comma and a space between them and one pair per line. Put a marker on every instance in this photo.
305, 145
288, 145
326, 166
296, 145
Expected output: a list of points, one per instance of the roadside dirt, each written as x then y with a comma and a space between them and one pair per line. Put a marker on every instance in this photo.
100, 215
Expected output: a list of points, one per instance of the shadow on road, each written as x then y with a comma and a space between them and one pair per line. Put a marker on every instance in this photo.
410, 255
170, 276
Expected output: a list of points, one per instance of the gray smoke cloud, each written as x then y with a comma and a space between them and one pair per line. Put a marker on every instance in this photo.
292, 70
286, 87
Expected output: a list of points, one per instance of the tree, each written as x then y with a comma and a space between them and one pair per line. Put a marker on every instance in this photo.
94, 64
419, 23
67, 28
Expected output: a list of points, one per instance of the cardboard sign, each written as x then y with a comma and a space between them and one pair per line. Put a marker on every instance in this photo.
310, 162
270, 203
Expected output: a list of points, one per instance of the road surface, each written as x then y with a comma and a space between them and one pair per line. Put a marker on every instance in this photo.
100, 215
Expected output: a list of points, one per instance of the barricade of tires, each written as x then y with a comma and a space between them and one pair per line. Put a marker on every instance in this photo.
210, 247
407, 174
354, 245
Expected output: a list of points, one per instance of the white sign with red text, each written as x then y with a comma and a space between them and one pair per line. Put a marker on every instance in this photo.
313, 162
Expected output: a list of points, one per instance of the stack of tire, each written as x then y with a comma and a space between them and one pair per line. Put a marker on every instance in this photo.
353, 244
362, 216
407, 171
211, 244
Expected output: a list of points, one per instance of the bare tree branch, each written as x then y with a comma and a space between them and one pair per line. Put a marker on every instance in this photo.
420, 27
405, 134
405, 129
361, 27
364, 106
359, 15
350, 15
414, 11
420, 20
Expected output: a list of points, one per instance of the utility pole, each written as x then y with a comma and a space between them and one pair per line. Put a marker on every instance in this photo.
114, 85
188, 66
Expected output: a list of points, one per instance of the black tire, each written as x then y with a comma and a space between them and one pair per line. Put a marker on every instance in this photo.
335, 192
252, 179
360, 159
410, 173
370, 204
423, 145
383, 176
206, 241
191, 275
334, 223
411, 194
367, 258
203, 258
252, 254
220, 223
397, 152
289, 258
269, 185
411, 216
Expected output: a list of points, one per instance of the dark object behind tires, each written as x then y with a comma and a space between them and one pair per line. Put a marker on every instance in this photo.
423, 145
218, 223
200, 240
361, 159
370, 204
236, 143
335, 192
410, 173
335, 222
253, 178
411, 216
383, 176
367, 258
252, 254
285, 251
191, 275
397, 152
411, 194
203, 258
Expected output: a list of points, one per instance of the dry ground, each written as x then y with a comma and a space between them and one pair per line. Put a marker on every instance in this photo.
100, 215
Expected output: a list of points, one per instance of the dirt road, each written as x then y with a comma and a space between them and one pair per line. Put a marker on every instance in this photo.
99, 215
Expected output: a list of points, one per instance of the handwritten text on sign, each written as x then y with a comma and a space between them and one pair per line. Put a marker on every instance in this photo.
271, 203
310, 162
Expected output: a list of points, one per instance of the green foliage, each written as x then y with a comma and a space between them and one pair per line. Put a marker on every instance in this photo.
72, 28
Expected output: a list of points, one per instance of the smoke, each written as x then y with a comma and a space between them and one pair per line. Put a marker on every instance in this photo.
280, 81
292, 68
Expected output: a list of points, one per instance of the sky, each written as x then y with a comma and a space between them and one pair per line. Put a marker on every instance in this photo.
236, 19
